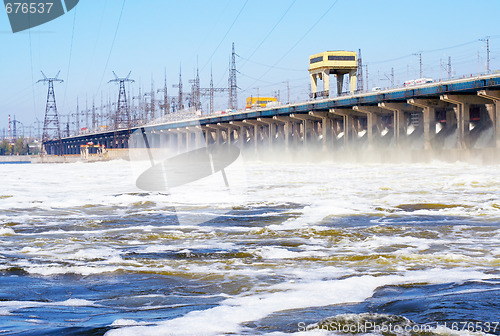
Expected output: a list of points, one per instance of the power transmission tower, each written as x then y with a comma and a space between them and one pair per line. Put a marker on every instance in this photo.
195, 99
150, 107
77, 118
139, 104
122, 116
420, 61
487, 55
165, 106
288, 92
487, 40
211, 93
38, 124
367, 82
51, 125
86, 113
68, 116
233, 87
101, 113
180, 102
109, 106
360, 84
94, 116
14, 128
393, 84
450, 73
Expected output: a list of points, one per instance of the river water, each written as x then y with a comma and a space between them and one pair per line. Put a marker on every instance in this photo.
83, 251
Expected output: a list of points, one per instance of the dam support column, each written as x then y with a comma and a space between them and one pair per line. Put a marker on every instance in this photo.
273, 126
429, 110
178, 139
163, 139
494, 112
226, 132
462, 110
198, 137
308, 124
399, 122
326, 129
218, 139
187, 133
207, 133
241, 131
287, 130
373, 121
348, 122
256, 132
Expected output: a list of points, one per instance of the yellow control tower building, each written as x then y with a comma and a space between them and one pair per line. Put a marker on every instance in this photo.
338, 63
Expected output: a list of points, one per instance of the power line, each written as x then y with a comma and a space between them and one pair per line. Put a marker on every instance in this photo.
69, 60
112, 44
428, 51
32, 75
270, 32
98, 35
268, 66
316, 22
211, 31
225, 35
254, 78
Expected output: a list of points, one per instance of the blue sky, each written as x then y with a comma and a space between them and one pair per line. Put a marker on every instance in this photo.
273, 40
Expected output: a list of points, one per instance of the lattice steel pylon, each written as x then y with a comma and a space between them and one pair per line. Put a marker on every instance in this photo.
151, 106
210, 92
51, 125
165, 105
360, 87
195, 98
122, 116
180, 99
233, 87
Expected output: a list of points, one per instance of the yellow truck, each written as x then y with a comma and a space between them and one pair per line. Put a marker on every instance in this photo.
259, 101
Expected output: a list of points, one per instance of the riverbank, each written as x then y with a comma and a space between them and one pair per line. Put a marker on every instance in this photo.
111, 154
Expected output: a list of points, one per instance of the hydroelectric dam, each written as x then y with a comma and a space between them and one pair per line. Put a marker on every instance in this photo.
452, 120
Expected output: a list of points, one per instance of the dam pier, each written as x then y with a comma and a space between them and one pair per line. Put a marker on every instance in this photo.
452, 120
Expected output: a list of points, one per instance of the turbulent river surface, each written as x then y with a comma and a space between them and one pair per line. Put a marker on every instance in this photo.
292, 248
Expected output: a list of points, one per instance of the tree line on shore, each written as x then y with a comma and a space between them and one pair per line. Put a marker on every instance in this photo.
20, 147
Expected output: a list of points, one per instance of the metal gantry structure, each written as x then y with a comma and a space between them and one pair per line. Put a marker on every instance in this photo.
232, 85
165, 105
51, 125
211, 93
14, 126
126, 114
487, 40
360, 84
122, 116
119, 115
180, 98
150, 108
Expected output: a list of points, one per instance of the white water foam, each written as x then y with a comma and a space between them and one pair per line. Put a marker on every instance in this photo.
6, 231
228, 316
304, 242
